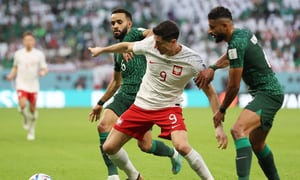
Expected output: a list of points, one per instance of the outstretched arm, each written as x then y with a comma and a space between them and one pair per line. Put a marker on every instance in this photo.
214, 104
207, 75
123, 47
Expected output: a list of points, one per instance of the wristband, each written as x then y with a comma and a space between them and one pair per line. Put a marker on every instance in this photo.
100, 103
214, 67
222, 110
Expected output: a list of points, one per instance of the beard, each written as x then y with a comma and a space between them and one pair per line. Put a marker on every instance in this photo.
121, 34
219, 37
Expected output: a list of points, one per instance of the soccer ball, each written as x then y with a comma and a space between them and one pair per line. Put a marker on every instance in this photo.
40, 176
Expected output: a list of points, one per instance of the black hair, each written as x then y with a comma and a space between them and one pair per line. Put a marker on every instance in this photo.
219, 12
167, 30
120, 10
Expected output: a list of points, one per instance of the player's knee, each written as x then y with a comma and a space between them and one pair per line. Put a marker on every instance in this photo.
237, 132
109, 149
182, 148
103, 127
22, 105
145, 147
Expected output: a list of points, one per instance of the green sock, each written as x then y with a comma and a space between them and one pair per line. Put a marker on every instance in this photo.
243, 158
112, 169
161, 149
267, 164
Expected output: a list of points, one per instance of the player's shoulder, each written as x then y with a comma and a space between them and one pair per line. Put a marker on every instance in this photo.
135, 34
240, 37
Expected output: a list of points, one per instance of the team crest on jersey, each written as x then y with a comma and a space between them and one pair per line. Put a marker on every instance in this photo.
177, 70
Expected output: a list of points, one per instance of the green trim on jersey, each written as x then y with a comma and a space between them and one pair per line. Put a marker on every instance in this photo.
132, 71
245, 52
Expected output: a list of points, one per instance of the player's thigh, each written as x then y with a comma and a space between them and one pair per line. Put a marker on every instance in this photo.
257, 138
32, 98
22, 98
180, 141
115, 141
146, 143
247, 121
107, 121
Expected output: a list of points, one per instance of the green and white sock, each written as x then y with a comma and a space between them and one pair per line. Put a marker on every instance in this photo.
112, 169
267, 164
243, 158
161, 149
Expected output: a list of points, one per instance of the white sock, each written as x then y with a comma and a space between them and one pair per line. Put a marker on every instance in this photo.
24, 113
198, 165
121, 160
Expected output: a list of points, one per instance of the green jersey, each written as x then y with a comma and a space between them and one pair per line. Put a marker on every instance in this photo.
132, 71
244, 51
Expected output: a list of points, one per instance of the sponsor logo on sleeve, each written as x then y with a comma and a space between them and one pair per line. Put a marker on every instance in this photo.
232, 53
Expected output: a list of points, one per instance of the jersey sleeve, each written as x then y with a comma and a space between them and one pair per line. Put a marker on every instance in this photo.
141, 47
43, 63
117, 67
236, 52
15, 59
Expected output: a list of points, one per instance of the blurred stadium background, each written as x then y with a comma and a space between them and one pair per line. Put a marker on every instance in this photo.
65, 28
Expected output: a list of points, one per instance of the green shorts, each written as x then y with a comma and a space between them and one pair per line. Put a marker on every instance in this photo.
266, 106
120, 104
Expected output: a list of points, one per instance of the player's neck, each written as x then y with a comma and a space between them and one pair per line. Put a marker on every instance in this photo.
175, 51
229, 36
28, 49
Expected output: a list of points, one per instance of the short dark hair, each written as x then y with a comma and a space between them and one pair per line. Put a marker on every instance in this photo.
124, 11
167, 30
219, 12
27, 33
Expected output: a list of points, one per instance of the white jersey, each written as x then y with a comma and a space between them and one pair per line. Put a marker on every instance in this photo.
166, 76
28, 65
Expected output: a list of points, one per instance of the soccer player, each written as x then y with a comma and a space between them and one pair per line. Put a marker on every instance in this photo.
127, 79
247, 61
170, 66
29, 65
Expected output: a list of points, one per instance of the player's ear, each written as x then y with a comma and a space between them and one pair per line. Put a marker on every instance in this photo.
129, 23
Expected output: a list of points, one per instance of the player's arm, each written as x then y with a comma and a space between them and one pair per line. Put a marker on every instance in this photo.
206, 76
111, 89
214, 104
232, 89
123, 47
12, 74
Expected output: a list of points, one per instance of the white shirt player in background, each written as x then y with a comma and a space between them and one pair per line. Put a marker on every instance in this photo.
29, 65
170, 66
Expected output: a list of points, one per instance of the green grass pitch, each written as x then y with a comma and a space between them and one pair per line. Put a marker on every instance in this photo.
66, 147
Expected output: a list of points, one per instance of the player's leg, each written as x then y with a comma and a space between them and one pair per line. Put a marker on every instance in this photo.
263, 153
106, 123
113, 148
22, 102
159, 148
32, 115
247, 122
180, 142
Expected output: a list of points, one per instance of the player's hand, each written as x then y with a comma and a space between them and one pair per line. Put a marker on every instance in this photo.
204, 77
128, 56
42, 73
218, 118
221, 137
96, 51
95, 113
9, 77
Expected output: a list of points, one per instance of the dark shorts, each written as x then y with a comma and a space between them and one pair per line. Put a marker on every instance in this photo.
266, 106
120, 104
